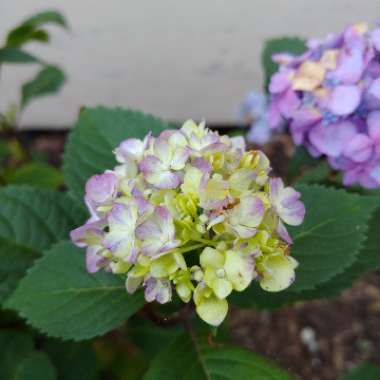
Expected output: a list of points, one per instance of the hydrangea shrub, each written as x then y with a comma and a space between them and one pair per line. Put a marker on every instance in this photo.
330, 98
164, 214
191, 192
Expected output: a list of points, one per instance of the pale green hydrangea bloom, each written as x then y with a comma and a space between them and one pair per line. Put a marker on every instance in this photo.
191, 196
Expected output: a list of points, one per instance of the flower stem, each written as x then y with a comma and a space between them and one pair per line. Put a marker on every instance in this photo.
205, 241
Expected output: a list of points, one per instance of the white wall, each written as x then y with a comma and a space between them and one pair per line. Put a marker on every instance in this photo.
176, 59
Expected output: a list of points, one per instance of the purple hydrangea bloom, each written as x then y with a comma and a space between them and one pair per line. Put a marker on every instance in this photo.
330, 99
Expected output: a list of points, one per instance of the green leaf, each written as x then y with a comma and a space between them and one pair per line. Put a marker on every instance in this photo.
60, 298
190, 358
28, 30
13, 346
97, 132
48, 81
331, 235
292, 45
46, 17
348, 239
72, 360
300, 160
31, 220
317, 174
145, 334
14, 55
365, 371
37, 174
36, 366
24, 34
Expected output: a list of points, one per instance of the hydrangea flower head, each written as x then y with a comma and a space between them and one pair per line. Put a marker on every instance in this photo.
330, 98
191, 213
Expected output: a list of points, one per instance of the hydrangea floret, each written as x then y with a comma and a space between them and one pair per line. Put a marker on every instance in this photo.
191, 213
330, 98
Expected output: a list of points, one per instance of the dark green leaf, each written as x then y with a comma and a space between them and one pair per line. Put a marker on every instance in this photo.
37, 174
145, 335
48, 81
60, 298
316, 174
97, 132
46, 17
72, 360
35, 366
14, 55
329, 254
24, 34
29, 30
291, 45
365, 371
31, 220
331, 235
300, 161
190, 358
14, 345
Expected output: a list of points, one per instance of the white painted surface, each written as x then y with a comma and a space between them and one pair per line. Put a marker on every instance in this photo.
175, 59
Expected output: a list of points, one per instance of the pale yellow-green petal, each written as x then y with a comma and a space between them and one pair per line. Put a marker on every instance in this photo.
278, 273
191, 180
221, 287
184, 291
212, 310
239, 269
211, 258
163, 266
133, 283
120, 267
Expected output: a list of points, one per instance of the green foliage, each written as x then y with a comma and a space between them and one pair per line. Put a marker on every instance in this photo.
333, 247
330, 238
35, 366
145, 335
30, 29
38, 174
31, 220
72, 360
19, 360
13, 345
60, 298
14, 55
291, 45
191, 358
97, 132
317, 174
365, 371
49, 80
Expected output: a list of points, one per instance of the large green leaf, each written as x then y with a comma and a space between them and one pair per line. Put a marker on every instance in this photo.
316, 174
31, 220
29, 30
37, 174
14, 55
188, 358
331, 236
13, 346
60, 298
292, 45
97, 132
48, 81
72, 360
36, 366
365, 371
365, 259
18, 360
